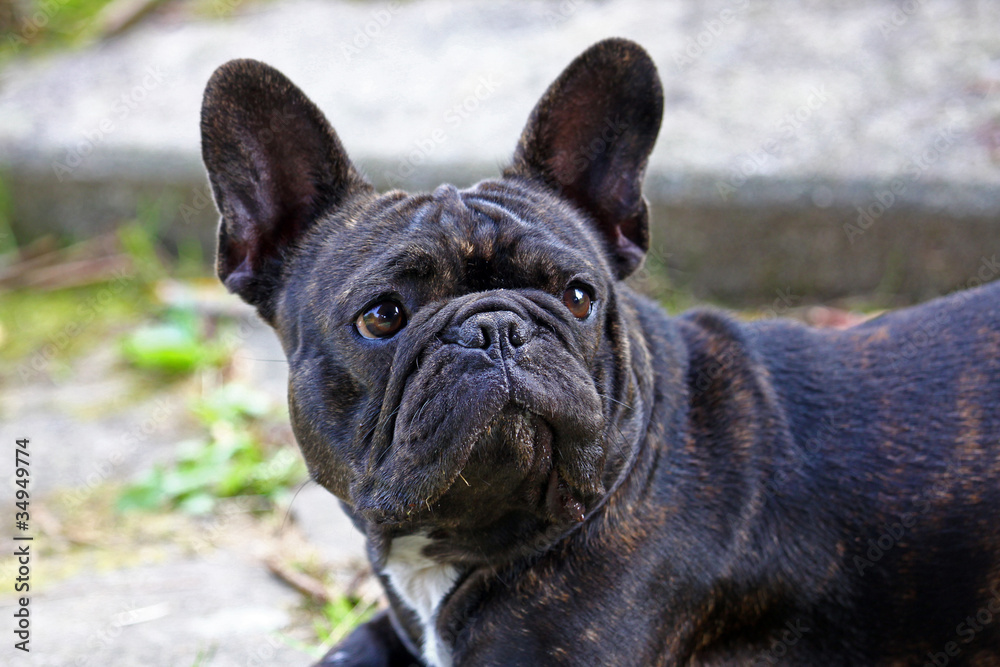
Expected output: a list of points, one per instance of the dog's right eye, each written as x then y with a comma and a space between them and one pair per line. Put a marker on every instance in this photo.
578, 300
382, 320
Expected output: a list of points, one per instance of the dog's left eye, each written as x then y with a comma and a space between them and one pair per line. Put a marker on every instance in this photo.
382, 320
578, 300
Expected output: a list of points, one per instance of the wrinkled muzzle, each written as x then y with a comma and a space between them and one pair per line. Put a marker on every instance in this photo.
488, 405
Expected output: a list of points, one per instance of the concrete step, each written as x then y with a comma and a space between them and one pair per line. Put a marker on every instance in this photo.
825, 147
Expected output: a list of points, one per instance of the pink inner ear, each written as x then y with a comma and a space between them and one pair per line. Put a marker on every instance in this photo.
569, 141
622, 195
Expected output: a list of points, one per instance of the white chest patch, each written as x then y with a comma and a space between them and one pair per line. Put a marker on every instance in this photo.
421, 583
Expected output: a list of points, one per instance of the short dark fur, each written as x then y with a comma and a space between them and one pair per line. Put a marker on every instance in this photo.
626, 488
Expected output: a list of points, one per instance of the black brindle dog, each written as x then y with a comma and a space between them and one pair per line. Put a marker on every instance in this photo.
548, 468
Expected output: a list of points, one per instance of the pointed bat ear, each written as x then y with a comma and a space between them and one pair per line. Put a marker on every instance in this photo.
589, 138
275, 165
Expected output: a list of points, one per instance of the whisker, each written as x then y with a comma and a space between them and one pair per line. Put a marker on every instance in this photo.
288, 510
624, 405
621, 451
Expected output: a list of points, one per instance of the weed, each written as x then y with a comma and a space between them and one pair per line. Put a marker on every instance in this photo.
233, 460
176, 345
338, 617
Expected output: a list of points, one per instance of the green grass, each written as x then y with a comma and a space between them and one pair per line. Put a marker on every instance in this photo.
41, 327
43, 25
176, 344
233, 459
340, 616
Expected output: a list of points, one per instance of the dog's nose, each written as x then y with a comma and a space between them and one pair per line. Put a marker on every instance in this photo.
501, 327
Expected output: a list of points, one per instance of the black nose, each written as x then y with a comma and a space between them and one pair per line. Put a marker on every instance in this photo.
500, 327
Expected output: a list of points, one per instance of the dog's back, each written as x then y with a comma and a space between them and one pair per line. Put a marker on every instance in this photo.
895, 465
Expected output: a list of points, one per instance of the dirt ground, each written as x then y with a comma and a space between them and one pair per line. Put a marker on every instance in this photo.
161, 587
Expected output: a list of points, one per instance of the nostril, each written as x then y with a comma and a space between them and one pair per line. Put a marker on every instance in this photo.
515, 336
476, 337
489, 329
486, 336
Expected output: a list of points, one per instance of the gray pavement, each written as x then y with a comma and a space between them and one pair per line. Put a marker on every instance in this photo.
224, 610
782, 118
207, 596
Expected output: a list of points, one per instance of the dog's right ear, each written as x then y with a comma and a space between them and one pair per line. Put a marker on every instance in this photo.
589, 139
275, 165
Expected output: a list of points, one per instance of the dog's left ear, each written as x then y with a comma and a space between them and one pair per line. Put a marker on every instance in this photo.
589, 138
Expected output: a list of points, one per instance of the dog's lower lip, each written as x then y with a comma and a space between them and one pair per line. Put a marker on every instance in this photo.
543, 439
560, 502
403, 516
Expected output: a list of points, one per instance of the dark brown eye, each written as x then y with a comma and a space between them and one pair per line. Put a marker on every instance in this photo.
382, 320
578, 300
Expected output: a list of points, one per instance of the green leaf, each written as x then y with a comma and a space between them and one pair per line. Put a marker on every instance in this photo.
167, 348
199, 503
232, 402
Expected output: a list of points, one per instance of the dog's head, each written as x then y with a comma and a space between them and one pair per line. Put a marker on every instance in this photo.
460, 363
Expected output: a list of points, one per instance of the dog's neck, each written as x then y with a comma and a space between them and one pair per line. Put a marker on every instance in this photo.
689, 395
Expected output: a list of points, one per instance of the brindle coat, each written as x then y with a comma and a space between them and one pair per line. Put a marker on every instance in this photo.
621, 488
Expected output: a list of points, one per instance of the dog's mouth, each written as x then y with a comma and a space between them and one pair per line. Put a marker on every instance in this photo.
510, 466
510, 496
472, 437
513, 466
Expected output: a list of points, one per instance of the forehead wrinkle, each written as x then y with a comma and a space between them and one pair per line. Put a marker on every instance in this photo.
387, 211
504, 229
350, 250
533, 211
483, 238
502, 216
415, 260
509, 222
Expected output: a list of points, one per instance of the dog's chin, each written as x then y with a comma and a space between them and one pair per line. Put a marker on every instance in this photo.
509, 498
511, 468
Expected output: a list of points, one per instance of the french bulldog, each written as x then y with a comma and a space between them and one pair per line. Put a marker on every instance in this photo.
548, 468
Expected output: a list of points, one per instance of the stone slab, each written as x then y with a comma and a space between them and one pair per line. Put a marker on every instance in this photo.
791, 114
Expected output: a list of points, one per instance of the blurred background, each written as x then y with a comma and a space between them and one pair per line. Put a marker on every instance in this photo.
823, 160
